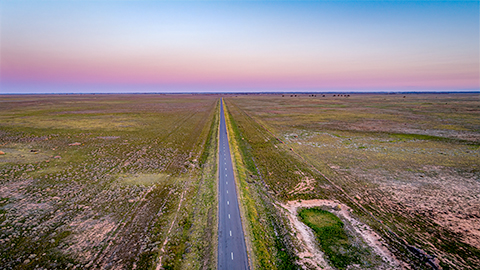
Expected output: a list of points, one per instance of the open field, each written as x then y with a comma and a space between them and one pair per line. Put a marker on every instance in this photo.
129, 181
407, 165
108, 181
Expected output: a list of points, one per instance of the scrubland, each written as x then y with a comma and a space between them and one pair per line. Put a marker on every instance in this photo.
108, 181
129, 181
406, 165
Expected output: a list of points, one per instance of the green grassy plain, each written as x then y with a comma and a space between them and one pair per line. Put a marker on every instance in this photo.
91, 181
408, 165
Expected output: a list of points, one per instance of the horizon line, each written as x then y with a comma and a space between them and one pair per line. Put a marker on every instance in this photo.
253, 93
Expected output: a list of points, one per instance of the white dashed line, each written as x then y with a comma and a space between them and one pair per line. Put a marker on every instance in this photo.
228, 216
228, 203
232, 256
230, 233
227, 191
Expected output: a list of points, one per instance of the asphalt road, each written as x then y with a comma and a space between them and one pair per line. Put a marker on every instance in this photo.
232, 253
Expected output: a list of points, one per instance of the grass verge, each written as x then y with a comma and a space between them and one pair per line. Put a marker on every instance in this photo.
266, 233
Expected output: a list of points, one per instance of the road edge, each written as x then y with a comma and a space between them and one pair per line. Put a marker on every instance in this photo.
235, 161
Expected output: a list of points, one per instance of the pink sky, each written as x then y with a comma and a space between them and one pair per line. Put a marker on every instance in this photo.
285, 47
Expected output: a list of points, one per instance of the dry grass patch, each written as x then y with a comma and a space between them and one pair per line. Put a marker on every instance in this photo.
412, 161
143, 179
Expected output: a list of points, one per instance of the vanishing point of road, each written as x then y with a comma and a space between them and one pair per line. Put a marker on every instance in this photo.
232, 252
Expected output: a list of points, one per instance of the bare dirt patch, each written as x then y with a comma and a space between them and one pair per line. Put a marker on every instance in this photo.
305, 185
88, 233
310, 254
448, 198
13, 189
108, 137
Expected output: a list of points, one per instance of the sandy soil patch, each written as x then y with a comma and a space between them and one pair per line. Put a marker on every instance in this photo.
306, 185
14, 189
446, 197
310, 254
89, 233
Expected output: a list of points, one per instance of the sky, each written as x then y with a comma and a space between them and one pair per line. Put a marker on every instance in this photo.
238, 46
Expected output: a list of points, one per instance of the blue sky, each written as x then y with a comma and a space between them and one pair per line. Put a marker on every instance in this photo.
172, 46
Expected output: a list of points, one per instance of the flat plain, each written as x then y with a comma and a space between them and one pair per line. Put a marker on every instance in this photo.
331, 181
108, 181
407, 166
